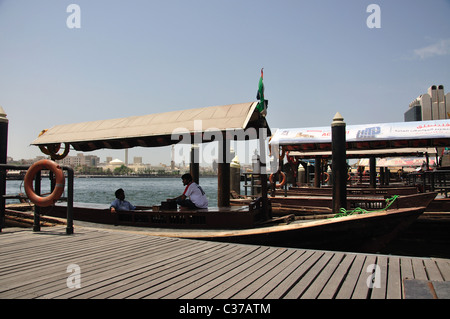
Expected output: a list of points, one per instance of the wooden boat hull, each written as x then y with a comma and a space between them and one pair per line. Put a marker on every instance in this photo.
231, 217
439, 205
327, 191
366, 232
324, 204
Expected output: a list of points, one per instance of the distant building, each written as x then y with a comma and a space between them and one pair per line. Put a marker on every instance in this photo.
80, 160
433, 105
138, 166
112, 165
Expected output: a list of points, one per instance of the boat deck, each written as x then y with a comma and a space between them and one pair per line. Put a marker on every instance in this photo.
123, 264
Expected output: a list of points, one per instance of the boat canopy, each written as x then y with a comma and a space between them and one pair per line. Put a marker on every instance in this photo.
385, 139
404, 162
160, 129
381, 153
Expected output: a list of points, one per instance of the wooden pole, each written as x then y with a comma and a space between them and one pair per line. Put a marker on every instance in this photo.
263, 173
70, 176
223, 174
339, 163
317, 171
373, 172
37, 209
3, 156
194, 167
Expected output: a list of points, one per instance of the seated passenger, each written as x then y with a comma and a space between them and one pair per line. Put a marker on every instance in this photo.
197, 198
120, 204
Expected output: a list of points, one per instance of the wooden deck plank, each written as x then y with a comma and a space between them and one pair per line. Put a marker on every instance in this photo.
407, 268
64, 251
320, 282
198, 278
95, 271
432, 270
284, 272
169, 280
444, 267
380, 285
203, 285
419, 269
151, 263
22, 269
394, 288
296, 291
116, 264
69, 258
205, 280
216, 276
109, 267
304, 263
351, 279
251, 274
223, 280
332, 286
103, 269
264, 280
47, 269
362, 289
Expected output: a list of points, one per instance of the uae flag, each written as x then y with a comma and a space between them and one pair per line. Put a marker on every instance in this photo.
260, 94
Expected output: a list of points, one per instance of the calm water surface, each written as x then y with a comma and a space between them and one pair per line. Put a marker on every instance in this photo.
139, 191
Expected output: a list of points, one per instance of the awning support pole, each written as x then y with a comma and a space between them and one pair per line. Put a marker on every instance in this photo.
223, 174
195, 164
373, 172
317, 171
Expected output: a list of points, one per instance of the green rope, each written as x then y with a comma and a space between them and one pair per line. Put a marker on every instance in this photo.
358, 210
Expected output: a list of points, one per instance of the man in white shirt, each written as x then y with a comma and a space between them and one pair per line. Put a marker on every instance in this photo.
197, 198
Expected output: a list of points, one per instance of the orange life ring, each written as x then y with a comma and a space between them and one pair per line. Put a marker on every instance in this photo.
283, 181
327, 177
59, 187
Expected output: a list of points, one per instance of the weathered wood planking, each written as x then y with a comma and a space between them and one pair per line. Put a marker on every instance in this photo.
116, 264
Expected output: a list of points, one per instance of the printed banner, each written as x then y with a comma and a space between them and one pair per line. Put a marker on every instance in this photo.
365, 132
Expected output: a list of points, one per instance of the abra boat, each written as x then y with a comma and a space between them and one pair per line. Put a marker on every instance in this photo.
367, 232
250, 223
281, 204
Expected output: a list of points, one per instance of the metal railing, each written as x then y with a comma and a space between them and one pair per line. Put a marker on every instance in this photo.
37, 189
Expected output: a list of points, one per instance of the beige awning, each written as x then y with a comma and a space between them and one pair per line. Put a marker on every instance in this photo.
160, 129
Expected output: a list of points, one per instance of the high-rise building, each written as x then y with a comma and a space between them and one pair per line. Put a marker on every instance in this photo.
433, 105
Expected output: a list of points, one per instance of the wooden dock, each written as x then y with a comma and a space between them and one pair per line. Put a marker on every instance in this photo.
117, 264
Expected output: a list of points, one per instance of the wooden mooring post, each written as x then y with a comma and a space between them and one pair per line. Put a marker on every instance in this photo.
339, 163
3, 155
223, 174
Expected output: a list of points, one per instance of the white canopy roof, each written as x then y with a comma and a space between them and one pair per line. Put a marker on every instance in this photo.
154, 129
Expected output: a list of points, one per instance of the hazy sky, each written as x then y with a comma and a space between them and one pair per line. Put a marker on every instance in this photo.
141, 57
